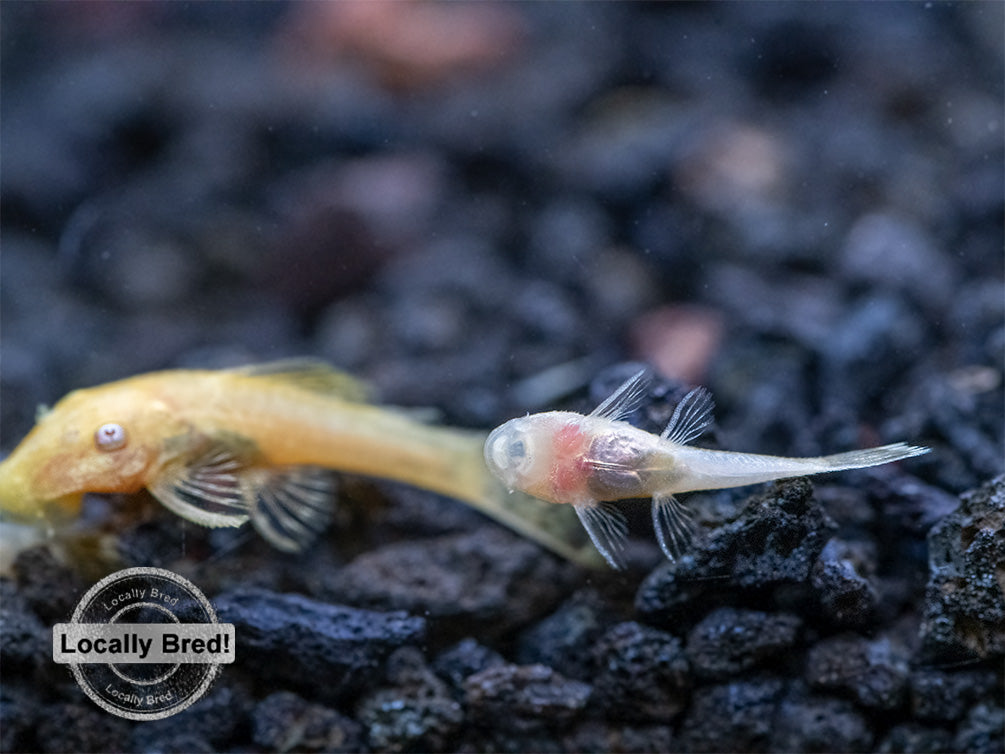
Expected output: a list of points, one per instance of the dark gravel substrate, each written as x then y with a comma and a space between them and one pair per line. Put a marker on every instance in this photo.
798, 205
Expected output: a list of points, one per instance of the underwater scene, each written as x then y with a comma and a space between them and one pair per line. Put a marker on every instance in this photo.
519, 377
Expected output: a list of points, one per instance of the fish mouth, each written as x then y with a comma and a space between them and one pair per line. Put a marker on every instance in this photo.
26, 509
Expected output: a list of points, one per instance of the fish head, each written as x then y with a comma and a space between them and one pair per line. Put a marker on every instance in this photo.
520, 453
93, 440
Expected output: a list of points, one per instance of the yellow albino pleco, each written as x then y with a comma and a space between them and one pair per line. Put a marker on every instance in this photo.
589, 461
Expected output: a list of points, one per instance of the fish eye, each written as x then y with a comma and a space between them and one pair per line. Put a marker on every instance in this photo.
110, 436
517, 450
511, 451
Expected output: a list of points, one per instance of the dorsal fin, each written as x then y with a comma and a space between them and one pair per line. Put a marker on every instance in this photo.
691, 418
626, 398
311, 374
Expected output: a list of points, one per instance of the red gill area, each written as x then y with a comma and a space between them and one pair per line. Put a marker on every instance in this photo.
569, 469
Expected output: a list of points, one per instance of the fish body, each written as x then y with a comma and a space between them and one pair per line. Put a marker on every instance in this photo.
589, 461
221, 447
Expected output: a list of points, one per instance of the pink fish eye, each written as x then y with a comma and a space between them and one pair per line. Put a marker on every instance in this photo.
110, 436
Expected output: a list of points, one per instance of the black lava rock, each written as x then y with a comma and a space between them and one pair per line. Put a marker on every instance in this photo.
290, 639
23, 644
873, 672
729, 641
212, 720
286, 722
965, 599
416, 712
527, 697
461, 583
946, 696
982, 730
52, 588
563, 640
736, 716
81, 727
19, 711
597, 737
914, 738
641, 674
771, 545
820, 724
842, 581
464, 659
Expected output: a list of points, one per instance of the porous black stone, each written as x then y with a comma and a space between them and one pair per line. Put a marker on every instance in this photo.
530, 698
563, 640
735, 716
914, 738
285, 722
82, 727
820, 724
728, 641
290, 640
771, 545
465, 658
945, 695
872, 672
641, 674
983, 729
965, 599
842, 580
415, 711
461, 583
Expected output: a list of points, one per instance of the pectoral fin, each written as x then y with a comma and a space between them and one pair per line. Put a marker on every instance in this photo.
292, 506
672, 523
288, 506
607, 528
206, 490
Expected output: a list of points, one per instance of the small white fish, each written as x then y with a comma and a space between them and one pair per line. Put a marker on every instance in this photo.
589, 461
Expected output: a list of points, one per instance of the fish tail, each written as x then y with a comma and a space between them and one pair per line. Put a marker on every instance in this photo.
860, 459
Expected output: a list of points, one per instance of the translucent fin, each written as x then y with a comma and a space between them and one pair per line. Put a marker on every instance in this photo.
625, 399
860, 459
691, 418
311, 374
292, 506
607, 528
672, 524
206, 490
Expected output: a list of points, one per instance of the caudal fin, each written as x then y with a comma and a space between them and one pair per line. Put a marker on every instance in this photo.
860, 459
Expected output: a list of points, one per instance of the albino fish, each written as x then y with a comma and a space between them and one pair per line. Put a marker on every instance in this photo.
223, 447
589, 461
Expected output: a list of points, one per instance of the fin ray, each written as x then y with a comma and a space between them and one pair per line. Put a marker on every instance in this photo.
292, 505
672, 524
311, 374
691, 418
607, 527
626, 398
206, 490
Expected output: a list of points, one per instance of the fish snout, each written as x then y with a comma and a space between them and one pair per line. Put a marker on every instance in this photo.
20, 499
508, 454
